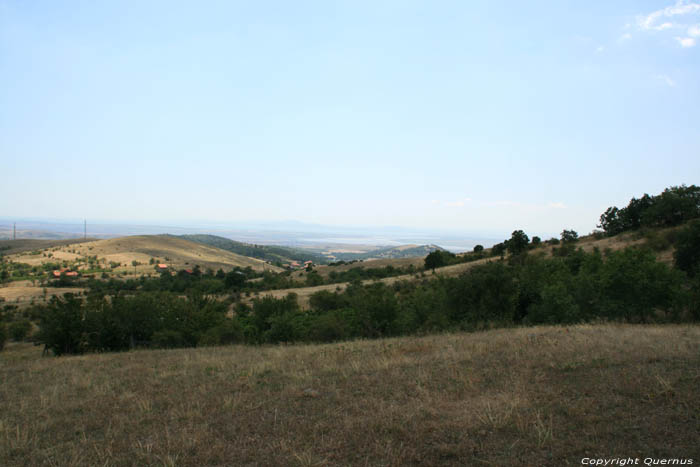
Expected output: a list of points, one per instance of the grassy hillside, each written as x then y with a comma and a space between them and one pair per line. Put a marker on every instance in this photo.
117, 257
10, 247
174, 251
271, 253
532, 396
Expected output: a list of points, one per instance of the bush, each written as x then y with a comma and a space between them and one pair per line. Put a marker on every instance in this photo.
556, 306
168, 339
229, 332
634, 285
687, 254
657, 242
19, 330
329, 327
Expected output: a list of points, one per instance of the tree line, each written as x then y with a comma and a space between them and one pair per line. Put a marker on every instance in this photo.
573, 286
674, 206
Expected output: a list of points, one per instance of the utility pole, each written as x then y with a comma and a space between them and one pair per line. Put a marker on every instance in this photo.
14, 231
85, 229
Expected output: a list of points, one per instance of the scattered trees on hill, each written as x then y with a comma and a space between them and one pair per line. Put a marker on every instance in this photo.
627, 285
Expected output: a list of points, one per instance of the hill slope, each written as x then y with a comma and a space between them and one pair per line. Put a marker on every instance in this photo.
272, 253
10, 247
177, 252
533, 396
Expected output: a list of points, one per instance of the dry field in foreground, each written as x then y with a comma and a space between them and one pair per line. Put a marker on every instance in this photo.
529, 396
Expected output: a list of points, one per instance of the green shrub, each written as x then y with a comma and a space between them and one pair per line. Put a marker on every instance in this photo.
329, 327
687, 254
659, 243
228, 332
3, 335
556, 306
19, 330
168, 339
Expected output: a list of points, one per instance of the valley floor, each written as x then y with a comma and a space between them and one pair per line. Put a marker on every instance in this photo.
526, 396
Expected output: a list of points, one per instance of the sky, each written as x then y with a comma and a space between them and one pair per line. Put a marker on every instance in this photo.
457, 116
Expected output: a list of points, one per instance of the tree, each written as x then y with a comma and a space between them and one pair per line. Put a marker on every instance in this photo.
687, 254
518, 242
569, 236
435, 259
19, 330
478, 248
536, 241
498, 249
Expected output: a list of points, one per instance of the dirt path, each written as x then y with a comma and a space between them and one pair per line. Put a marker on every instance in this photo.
305, 293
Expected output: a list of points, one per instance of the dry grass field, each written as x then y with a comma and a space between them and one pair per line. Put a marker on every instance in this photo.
174, 251
20, 245
530, 396
24, 293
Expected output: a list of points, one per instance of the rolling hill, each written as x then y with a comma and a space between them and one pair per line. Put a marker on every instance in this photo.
271, 253
10, 247
176, 252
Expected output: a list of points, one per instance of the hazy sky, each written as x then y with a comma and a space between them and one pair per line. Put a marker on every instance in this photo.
447, 115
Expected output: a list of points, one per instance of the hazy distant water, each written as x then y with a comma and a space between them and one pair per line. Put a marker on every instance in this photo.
294, 234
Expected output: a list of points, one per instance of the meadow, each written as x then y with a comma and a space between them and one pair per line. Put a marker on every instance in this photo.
518, 396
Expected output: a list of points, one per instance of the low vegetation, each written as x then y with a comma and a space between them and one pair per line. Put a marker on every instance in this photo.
546, 396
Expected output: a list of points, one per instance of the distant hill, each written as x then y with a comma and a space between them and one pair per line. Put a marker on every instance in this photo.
272, 253
124, 252
10, 247
403, 251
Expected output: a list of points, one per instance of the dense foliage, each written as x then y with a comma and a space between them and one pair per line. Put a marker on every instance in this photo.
573, 287
676, 205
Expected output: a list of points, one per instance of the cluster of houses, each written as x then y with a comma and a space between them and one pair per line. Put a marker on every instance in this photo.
65, 272
295, 265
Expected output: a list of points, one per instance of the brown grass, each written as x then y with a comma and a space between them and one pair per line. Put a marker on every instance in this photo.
23, 292
532, 396
174, 251
20, 245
